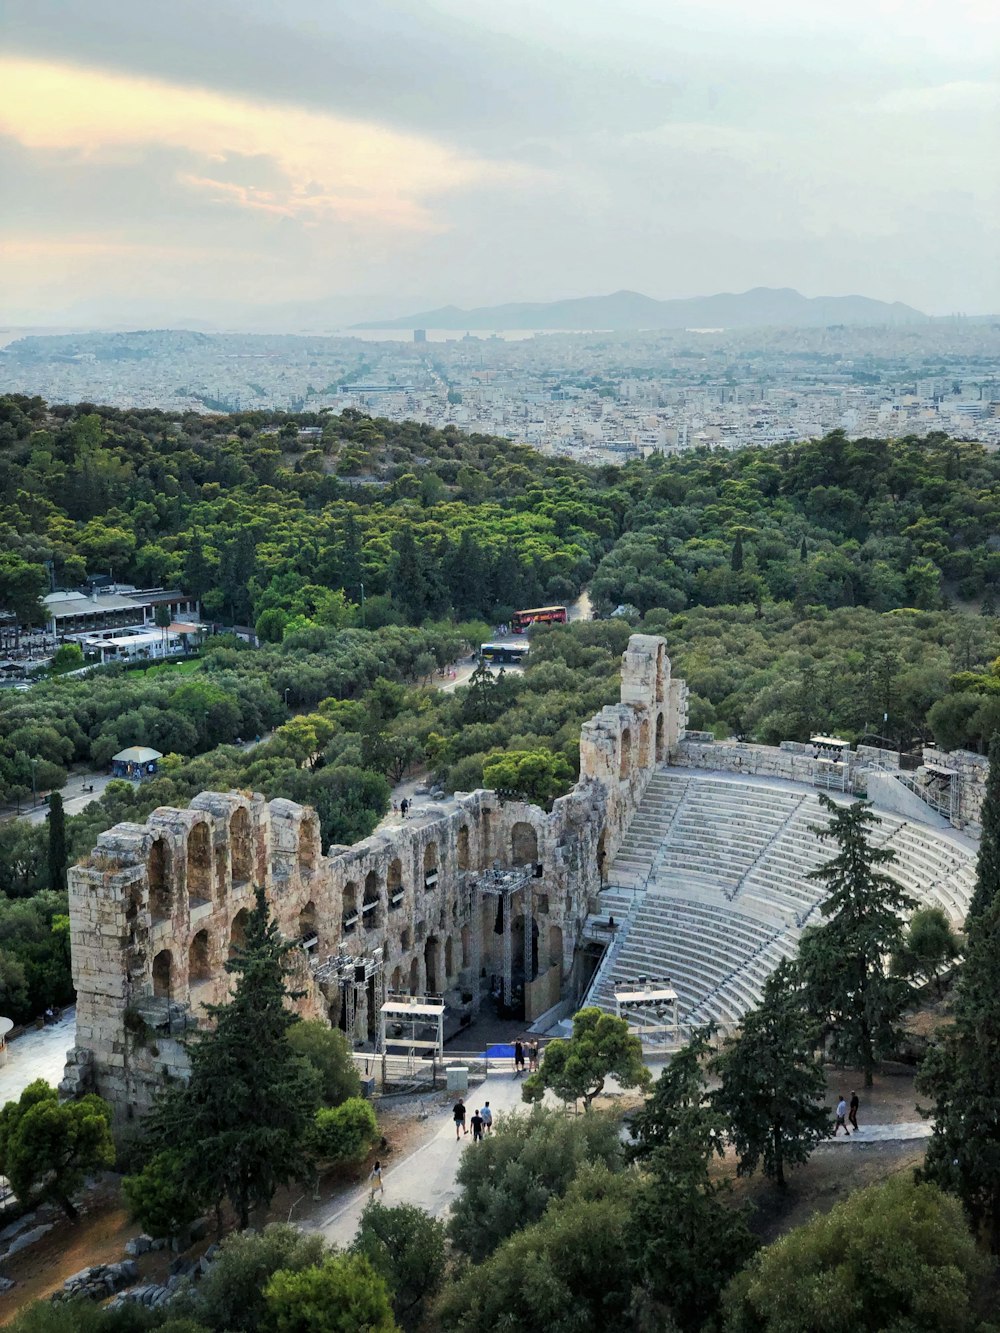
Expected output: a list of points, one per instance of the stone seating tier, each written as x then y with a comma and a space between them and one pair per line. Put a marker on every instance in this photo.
724, 866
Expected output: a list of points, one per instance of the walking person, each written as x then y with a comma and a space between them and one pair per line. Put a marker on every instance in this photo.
375, 1180
533, 1056
458, 1113
404, 805
841, 1119
852, 1114
518, 1058
477, 1127
487, 1115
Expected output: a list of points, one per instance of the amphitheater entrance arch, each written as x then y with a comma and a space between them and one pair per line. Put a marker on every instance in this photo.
240, 843
163, 974
161, 898
199, 864
523, 844
660, 728
199, 959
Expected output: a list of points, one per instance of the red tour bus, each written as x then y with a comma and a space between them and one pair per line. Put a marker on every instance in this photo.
538, 615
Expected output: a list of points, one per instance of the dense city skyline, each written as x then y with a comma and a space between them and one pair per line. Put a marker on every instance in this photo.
394, 157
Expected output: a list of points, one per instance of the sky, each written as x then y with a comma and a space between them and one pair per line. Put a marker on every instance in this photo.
286, 164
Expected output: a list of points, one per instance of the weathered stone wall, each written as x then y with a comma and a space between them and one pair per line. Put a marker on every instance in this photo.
157, 908
972, 771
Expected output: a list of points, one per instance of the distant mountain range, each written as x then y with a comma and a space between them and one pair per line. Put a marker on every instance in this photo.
763, 306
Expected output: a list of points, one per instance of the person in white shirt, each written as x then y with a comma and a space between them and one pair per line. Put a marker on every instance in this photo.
841, 1117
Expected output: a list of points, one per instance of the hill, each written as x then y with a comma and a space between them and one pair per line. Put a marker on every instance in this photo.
762, 306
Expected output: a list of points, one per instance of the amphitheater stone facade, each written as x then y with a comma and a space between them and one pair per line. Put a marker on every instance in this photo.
157, 907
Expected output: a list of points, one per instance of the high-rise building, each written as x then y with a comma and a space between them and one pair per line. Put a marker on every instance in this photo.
419, 335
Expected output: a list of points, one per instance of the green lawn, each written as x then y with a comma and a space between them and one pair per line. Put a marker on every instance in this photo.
184, 668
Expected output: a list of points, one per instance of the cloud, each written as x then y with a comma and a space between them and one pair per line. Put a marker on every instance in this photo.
320, 167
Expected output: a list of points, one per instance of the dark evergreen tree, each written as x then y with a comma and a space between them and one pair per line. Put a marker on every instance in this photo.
736, 559
773, 1089
803, 550
468, 577
988, 860
351, 570
242, 1123
57, 844
685, 1241
408, 582
962, 1076
847, 986
198, 573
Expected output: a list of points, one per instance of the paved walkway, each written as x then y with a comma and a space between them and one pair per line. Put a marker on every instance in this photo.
898, 1133
39, 1053
427, 1176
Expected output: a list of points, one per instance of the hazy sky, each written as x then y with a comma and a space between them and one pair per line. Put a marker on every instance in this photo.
163, 160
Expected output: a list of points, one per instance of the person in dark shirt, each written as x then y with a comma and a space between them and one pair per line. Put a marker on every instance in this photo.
852, 1115
458, 1113
518, 1058
477, 1127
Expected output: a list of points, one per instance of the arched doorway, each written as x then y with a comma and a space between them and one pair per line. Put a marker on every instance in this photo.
308, 935
430, 964
449, 962
660, 753
415, 977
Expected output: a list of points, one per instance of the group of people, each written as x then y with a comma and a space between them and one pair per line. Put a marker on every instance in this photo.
846, 1114
481, 1122
520, 1050
401, 807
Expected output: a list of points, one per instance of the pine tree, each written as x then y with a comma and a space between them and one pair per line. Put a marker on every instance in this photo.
736, 560
988, 860
843, 963
962, 1075
408, 583
803, 550
243, 1120
57, 844
772, 1087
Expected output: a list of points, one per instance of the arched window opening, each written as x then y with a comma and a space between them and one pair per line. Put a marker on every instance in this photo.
394, 884
449, 961
238, 931
369, 908
462, 848
415, 977
396, 983
523, 844
349, 919
660, 750
199, 961
199, 864
240, 841
644, 755
430, 964
430, 865
163, 974
308, 935
160, 892
625, 753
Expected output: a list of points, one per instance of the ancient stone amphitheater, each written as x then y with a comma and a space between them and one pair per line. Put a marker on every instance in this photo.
699, 850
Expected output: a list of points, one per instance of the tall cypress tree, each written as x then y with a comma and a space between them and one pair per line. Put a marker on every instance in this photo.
736, 559
844, 963
773, 1088
242, 1122
57, 844
962, 1075
988, 861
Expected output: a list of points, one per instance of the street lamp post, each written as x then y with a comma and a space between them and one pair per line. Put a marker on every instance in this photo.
362, 587
287, 688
